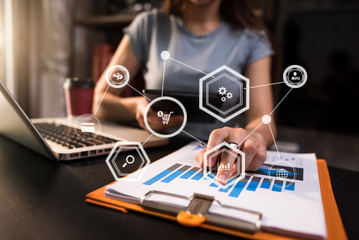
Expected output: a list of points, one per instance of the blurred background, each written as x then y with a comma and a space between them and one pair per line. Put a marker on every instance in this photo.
44, 41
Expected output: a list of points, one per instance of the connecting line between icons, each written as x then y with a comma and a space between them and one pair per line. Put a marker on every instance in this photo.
102, 99
250, 133
98, 106
258, 86
188, 66
264, 85
139, 92
146, 140
275, 143
203, 143
281, 101
163, 77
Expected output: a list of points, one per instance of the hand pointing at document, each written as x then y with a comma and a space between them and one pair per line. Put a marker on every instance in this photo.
251, 143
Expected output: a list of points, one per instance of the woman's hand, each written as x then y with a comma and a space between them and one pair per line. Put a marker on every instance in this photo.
253, 146
153, 120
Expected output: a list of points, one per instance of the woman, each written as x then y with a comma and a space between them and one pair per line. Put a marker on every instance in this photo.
205, 34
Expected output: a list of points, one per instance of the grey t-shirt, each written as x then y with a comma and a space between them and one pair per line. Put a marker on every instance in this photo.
153, 32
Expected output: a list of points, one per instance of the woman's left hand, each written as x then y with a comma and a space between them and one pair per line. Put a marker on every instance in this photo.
253, 146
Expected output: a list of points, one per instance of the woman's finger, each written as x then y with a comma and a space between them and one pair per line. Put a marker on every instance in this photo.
216, 137
199, 157
250, 149
229, 156
258, 159
233, 170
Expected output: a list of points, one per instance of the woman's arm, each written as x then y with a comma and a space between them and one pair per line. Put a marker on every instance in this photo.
114, 108
261, 99
252, 144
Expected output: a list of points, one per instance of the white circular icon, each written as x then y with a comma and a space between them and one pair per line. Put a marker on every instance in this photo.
165, 117
87, 126
266, 119
295, 76
283, 171
117, 76
165, 55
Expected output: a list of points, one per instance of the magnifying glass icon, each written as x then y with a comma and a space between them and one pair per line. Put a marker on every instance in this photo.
129, 160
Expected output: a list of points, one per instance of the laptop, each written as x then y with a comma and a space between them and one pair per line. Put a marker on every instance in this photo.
56, 138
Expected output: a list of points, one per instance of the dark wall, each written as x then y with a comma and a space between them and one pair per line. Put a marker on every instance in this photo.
326, 43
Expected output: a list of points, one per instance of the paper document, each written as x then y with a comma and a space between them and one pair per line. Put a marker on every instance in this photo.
285, 190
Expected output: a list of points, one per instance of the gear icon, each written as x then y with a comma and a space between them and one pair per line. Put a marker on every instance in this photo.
222, 91
229, 95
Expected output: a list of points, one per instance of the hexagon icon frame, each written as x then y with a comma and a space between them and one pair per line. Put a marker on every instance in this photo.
210, 109
240, 164
110, 160
231, 79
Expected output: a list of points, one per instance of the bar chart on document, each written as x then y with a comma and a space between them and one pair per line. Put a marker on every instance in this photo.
278, 174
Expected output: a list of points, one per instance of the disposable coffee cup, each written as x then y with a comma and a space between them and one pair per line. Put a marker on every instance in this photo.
79, 96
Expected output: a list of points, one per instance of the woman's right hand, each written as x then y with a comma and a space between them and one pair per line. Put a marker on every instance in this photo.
153, 120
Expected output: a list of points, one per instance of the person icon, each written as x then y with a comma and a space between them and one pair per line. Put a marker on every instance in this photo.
294, 76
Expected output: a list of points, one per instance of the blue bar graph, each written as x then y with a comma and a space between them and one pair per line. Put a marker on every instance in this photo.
186, 172
289, 186
198, 176
226, 188
175, 174
190, 173
162, 174
212, 176
266, 183
239, 187
252, 186
277, 186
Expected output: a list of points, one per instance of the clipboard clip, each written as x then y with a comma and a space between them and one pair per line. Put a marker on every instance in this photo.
196, 213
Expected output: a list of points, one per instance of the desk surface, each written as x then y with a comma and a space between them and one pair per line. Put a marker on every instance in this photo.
41, 199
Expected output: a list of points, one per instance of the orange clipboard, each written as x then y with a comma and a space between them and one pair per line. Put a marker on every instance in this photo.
335, 228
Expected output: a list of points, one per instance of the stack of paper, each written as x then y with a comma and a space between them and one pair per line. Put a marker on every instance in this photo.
285, 190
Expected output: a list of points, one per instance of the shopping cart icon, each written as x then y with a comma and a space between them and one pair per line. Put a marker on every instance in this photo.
165, 117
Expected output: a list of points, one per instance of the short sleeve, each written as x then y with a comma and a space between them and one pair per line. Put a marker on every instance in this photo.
139, 32
259, 47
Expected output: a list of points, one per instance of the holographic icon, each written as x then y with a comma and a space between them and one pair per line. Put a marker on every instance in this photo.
223, 166
129, 160
266, 119
130, 166
88, 127
282, 174
283, 170
117, 76
295, 76
165, 55
222, 91
228, 105
165, 117
215, 152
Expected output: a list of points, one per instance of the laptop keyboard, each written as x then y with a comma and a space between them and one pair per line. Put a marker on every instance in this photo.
66, 136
